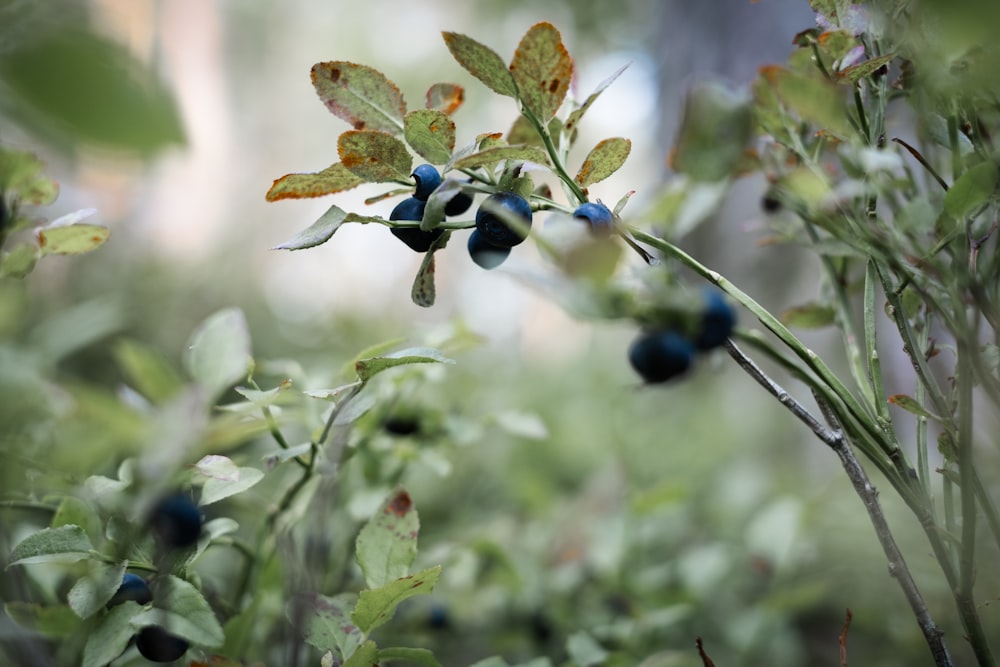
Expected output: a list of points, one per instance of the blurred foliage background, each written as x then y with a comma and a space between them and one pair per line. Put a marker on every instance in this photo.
644, 517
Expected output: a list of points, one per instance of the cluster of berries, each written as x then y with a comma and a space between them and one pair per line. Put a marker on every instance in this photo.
661, 354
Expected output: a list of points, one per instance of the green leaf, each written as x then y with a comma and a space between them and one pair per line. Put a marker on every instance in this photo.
423, 292
606, 158
326, 622
420, 656
542, 70
367, 368
365, 656
715, 129
76, 512
183, 609
496, 154
218, 353
147, 370
335, 178
584, 650
111, 636
865, 69
815, 100
63, 544
377, 157
387, 544
808, 316
971, 190
445, 97
73, 239
318, 232
431, 134
481, 62
376, 606
78, 87
910, 404
576, 115
223, 478
359, 94
23, 176
19, 262
56, 621
91, 592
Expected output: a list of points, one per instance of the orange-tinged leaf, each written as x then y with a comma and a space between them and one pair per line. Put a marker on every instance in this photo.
445, 97
335, 178
542, 70
431, 134
377, 157
360, 95
606, 158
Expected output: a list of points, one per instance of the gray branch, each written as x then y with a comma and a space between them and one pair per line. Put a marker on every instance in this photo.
833, 437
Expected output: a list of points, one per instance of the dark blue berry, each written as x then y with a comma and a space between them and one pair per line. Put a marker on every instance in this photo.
438, 617
458, 204
492, 216
134, 588
176, 521
419, 240
158, 645
598, 216
659, 356
717, 321
428, 179
485, 254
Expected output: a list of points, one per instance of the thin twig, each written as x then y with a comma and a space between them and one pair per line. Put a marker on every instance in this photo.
705, 660
843, 639
834, 438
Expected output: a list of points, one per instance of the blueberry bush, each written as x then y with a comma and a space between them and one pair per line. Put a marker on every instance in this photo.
239, 509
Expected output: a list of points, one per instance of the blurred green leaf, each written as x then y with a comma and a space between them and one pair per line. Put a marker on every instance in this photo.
481, 62
359, 94
327, 622
368, 368
111, 635
183, 609
584, 650
92, 591
23, 176
76, 83
377, 157
76, 512
808, 316
496, 154
431, 134
815, 100
714, 133
419, 656
218, 353
63, 544
387, 544
71, 239
335, 178
56, 621
365, 656
318, 232
19, 262
223, 478
971, 190
147, 370
542, 70
604, 159
910, 404
377, 605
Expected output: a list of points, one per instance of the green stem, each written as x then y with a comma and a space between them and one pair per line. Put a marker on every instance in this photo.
553, 152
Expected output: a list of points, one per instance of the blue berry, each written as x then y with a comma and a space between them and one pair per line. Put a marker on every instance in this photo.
134, 588
158, 645
176, 521
598, 216
659, 356
484, 253
419, 240
491, 218
717, 321
428, 179
458, 204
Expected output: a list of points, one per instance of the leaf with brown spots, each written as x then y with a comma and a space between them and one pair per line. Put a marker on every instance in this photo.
542, 70
377, 606
492, 156
431, 134
606, 158
326, 622
74, 239
481, 62
445, 97
335, 178
376, 157
359, 94
387, 544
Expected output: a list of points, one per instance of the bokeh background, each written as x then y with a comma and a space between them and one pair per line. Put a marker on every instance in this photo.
647, 517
